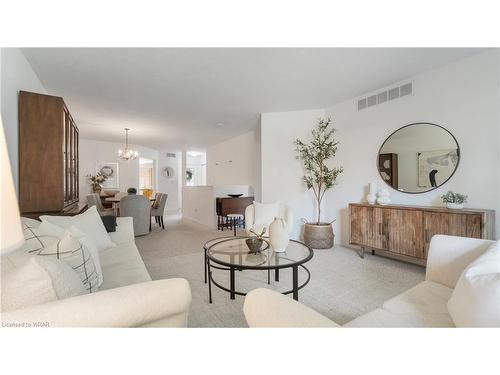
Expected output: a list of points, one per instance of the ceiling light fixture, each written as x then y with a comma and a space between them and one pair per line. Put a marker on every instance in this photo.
127, 154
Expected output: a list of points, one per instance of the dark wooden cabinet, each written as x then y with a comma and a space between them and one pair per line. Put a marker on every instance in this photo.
48, 156
226, 206
405, 232
388, 168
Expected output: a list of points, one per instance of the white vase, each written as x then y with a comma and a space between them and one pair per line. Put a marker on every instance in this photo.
383, 197
455, 206
371, 198
278, 235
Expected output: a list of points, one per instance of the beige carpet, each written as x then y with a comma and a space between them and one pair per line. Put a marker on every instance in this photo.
342, 286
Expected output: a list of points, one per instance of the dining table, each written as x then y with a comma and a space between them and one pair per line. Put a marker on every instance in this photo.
116, 203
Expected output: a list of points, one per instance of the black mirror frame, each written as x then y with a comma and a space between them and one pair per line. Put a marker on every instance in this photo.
412, 124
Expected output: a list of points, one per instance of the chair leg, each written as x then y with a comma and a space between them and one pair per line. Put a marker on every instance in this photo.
162, 224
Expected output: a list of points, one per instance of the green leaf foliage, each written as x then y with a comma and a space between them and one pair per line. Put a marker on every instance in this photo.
318, 177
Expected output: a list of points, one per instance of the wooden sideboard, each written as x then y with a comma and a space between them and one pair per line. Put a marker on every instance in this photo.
48, 156
225, 206
405, 232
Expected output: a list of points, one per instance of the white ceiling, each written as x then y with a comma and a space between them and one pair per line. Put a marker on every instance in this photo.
174, 96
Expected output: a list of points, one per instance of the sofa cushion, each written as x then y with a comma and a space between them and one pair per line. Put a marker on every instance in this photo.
122, 265
66, 248
56, 231
381, 318
424, 305
88, 222
24, 284
475, 302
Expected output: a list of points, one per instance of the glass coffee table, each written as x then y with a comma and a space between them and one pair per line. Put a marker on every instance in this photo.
232, 254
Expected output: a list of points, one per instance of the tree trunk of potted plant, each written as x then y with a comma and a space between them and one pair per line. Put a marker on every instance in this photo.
319, 178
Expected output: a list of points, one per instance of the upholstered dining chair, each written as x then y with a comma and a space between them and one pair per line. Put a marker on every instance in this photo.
95, 200
159, 210
137, 207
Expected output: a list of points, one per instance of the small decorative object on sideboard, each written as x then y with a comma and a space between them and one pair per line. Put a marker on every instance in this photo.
131, 191
278, 234
454, 201
235, 195
371, 198
255, 243
383, 197
96, 181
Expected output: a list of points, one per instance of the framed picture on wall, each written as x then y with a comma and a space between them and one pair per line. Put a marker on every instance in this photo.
111, 170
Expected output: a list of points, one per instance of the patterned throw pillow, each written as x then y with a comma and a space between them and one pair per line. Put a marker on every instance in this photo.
66, 248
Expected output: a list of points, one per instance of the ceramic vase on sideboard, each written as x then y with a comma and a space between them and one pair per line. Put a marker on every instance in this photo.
371, 198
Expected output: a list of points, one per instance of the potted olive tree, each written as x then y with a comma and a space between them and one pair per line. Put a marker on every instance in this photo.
319, 178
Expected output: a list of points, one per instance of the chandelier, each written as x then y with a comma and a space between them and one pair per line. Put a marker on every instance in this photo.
127, 154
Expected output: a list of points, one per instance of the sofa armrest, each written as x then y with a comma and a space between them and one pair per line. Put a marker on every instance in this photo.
449, 256
124, 231
266, 308
166, 301
249, 218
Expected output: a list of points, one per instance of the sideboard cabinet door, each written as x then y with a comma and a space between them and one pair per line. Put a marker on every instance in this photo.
366, 226
403, 232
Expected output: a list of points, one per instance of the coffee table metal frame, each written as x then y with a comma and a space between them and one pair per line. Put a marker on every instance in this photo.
221, 265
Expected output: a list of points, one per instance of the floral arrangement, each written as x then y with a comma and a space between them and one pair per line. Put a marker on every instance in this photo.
261, 233
451, 197
96, 180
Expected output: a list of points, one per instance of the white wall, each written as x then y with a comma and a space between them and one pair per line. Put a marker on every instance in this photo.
171, 186
236, 162
198, 204
16, 75
92, 152
281, 172
463, 97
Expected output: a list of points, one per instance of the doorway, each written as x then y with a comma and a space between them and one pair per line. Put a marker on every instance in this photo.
146, 176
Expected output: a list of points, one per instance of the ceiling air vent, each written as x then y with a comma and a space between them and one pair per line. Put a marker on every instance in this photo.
384, 96
170, 154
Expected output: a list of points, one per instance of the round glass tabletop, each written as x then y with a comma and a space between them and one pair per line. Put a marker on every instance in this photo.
234, 252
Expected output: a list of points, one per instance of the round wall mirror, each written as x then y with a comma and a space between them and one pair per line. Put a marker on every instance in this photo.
418, 157
168, 172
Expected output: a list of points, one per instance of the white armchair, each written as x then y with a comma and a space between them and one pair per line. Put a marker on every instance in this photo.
285, 212
424, 305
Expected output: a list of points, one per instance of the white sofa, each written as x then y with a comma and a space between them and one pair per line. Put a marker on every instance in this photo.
424, 305
126, 298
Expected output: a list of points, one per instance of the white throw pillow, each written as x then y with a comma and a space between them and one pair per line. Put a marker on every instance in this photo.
475, 302
25, 284
265, 213
68, 249
89, 223
56, 231
32, 223
65, 280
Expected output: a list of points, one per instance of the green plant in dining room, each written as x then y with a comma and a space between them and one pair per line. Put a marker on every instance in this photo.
131, 191
322, 147
451, 197
96, 180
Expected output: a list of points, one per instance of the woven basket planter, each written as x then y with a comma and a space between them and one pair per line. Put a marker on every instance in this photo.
318, 236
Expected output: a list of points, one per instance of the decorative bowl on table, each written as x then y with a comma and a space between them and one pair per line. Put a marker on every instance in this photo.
254, 244
235, 195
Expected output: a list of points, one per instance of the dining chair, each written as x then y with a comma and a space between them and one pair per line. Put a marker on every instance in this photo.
159, 210
95, 200
137, 207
